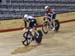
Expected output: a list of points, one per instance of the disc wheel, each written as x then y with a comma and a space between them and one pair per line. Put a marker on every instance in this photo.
38, 36
57, 25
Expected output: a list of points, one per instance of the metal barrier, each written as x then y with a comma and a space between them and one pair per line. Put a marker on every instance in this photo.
17, 8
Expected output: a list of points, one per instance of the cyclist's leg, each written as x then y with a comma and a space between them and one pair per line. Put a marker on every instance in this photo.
32, 25
53, 19
49, 20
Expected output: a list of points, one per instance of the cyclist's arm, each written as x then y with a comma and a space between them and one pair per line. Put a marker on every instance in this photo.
25, 22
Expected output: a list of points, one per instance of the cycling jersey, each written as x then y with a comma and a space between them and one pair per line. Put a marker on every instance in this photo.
31, 20
49, 13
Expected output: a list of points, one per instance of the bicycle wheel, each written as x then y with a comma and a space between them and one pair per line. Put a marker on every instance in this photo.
57, 25
28, 38
45, 27
38, 36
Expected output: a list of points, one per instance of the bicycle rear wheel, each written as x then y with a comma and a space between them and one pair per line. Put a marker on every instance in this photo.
57, 25
38, 36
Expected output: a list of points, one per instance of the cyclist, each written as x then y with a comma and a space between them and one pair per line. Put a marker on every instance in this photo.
31, 20
50, 15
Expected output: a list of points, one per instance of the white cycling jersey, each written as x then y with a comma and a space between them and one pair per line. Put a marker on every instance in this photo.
29, 17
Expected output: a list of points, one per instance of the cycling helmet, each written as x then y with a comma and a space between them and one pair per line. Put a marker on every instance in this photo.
46, 7
26, 16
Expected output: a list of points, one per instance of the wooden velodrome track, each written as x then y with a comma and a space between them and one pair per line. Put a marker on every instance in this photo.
61, 43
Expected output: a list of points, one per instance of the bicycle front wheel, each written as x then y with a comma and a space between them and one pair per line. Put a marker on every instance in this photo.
45, 27
27, 38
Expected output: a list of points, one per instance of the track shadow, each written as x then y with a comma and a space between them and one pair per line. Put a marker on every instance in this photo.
24, 49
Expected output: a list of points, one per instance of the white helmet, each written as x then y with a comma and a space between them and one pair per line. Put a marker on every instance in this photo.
26, 16
46, 7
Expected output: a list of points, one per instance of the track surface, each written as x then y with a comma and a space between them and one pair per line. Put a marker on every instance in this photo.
61, 43
20, 28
